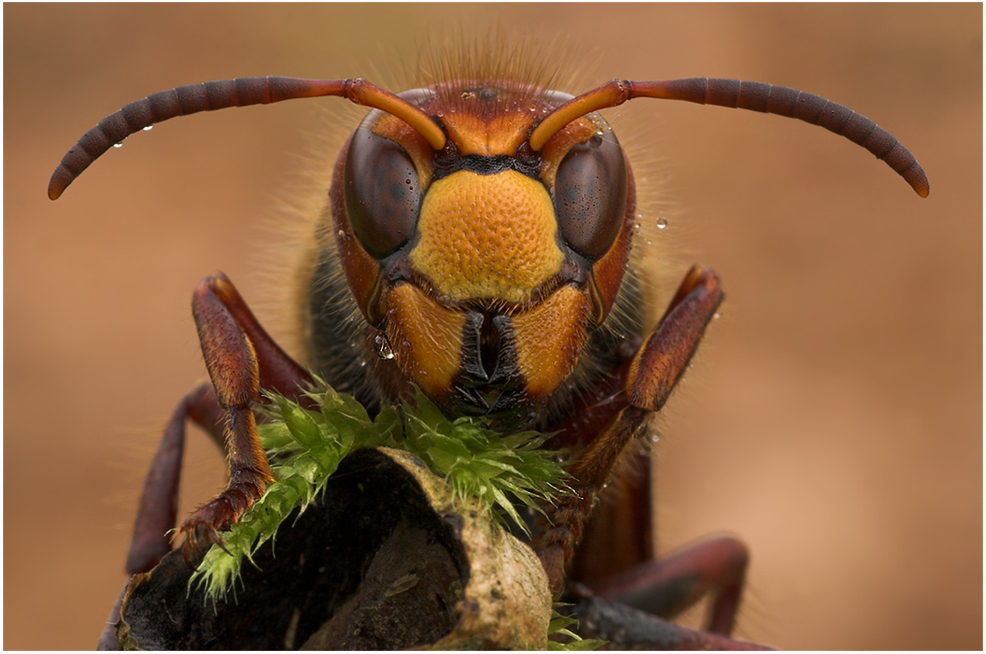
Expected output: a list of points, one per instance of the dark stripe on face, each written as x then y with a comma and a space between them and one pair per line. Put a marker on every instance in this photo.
489, 381
482, 165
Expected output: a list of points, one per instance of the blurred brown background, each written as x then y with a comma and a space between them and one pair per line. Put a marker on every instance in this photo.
833, 418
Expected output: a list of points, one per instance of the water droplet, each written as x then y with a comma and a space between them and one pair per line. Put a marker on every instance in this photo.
117, 145
149, 128
382, 347
662, 222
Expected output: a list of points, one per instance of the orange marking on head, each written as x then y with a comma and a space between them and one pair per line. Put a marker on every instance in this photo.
549, 339
473, 134
426, 337
487, 236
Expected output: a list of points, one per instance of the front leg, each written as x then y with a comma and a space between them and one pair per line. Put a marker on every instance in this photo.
653, 372
241, 359
240, 356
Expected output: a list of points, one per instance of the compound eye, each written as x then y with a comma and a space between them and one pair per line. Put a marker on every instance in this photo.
591, 195
382, 193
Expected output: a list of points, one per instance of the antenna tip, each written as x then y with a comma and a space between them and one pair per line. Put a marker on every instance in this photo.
60, 179
918, 181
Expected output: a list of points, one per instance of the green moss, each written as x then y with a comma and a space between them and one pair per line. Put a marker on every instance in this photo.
559, 627
476, 462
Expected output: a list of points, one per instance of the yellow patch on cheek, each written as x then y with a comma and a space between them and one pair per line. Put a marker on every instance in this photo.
487, 236
549, 339
426, 338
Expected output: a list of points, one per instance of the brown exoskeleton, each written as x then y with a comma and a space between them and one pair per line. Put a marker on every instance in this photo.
475, 244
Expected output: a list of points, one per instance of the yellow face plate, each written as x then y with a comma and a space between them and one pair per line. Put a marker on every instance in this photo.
487, 236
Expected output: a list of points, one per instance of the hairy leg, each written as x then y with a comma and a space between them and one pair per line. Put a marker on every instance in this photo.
651, 377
